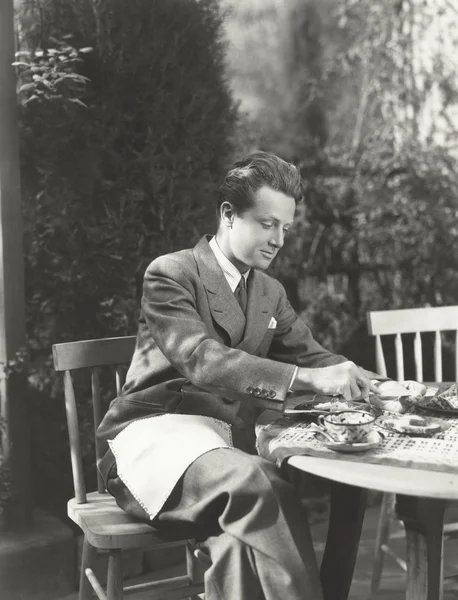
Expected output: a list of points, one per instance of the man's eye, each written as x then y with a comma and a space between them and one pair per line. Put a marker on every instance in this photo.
267, 225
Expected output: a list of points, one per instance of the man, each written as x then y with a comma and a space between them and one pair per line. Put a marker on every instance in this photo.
215, 334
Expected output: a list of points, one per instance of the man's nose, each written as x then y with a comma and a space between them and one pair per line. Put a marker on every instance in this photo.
278, 239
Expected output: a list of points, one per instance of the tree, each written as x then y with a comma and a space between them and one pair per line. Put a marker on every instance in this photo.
115, 172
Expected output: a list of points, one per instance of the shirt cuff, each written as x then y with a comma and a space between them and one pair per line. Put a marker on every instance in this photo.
293, 379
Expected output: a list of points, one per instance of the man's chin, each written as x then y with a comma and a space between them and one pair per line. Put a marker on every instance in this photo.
262, 265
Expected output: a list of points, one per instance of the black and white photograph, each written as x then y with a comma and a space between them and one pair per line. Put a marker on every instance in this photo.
228, 300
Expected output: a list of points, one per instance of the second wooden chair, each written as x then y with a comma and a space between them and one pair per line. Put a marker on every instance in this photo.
397, 322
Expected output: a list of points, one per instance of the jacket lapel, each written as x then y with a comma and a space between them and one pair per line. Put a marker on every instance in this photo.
259, 312
223, 304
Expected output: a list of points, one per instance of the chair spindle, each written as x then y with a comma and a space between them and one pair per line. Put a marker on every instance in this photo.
399, 357
97, 413
437, 356
418, 357
379, 357
73, 432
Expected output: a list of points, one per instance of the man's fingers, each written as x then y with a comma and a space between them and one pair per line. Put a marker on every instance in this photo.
364, 391
346, 393
374, 389
365, 385
355, 391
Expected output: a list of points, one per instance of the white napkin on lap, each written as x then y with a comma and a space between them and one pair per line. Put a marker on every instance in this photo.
153, 453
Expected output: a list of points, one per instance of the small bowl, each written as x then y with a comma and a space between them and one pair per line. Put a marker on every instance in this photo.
350, 426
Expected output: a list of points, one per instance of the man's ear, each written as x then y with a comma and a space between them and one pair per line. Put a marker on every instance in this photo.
227, 214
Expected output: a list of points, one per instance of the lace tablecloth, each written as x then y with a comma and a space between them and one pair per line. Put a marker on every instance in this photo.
284, 437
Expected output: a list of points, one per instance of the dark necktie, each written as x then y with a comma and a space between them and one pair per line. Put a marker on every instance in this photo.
240, 293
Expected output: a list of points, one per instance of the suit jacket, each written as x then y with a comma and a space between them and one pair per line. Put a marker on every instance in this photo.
196, 353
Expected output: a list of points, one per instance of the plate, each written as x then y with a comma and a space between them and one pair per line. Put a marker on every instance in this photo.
372, 441
436, 410
436, 390
318, 406
401, 424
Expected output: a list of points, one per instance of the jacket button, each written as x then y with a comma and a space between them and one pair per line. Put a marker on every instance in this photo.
257, 391
272, 393
249, 389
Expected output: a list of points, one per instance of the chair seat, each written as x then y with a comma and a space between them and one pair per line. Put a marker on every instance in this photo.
108, 526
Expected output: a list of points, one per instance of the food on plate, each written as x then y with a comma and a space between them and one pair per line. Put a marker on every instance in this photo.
392, 389
403, 388
340, 405
411, 424
325, 403
444, 401
397, 396
450, 397
396, 405
416, 421
415, 388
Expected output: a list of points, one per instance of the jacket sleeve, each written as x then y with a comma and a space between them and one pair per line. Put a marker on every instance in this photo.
169, 308
294, 342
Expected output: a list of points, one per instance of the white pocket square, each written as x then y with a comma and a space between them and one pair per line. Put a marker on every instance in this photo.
273, 323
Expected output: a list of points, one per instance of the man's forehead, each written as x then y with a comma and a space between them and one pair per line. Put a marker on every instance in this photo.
273, 203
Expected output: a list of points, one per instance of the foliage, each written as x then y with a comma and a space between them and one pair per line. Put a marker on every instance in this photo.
120, 155
372, 110
51, 74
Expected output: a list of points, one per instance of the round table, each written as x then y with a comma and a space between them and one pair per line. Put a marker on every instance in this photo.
421, 497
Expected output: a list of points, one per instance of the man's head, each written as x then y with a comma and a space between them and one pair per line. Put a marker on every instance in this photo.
256, 206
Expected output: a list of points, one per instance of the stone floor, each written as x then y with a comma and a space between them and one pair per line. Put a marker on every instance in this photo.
393, 581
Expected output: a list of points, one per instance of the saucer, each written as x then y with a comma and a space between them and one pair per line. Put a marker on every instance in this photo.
372, 441
413, 425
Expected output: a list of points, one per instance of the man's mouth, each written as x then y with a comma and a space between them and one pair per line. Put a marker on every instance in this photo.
269, 254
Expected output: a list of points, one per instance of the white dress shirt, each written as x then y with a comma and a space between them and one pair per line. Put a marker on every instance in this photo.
231, 273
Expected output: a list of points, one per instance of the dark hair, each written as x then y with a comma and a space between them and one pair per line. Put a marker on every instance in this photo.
254, 171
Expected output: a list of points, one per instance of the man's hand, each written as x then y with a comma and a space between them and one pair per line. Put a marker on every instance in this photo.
344, 379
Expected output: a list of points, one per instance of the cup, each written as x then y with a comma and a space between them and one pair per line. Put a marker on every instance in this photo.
348, 426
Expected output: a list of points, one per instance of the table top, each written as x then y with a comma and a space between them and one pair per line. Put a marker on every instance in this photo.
383, 478
355, 470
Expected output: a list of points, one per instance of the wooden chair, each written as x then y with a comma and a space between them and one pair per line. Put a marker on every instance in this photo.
105, 526
398, 322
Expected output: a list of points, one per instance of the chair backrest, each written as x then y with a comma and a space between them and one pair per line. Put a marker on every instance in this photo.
416, 321
89, 354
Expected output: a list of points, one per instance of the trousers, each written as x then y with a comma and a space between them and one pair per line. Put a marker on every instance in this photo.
260, 542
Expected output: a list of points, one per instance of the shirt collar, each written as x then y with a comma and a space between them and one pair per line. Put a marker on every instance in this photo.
230, 271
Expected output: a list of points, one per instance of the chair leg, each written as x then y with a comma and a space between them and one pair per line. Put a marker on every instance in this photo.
114, 578
383, 532
194, 568
87, 561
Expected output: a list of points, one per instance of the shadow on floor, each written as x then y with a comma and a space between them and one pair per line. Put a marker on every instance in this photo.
392, 586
